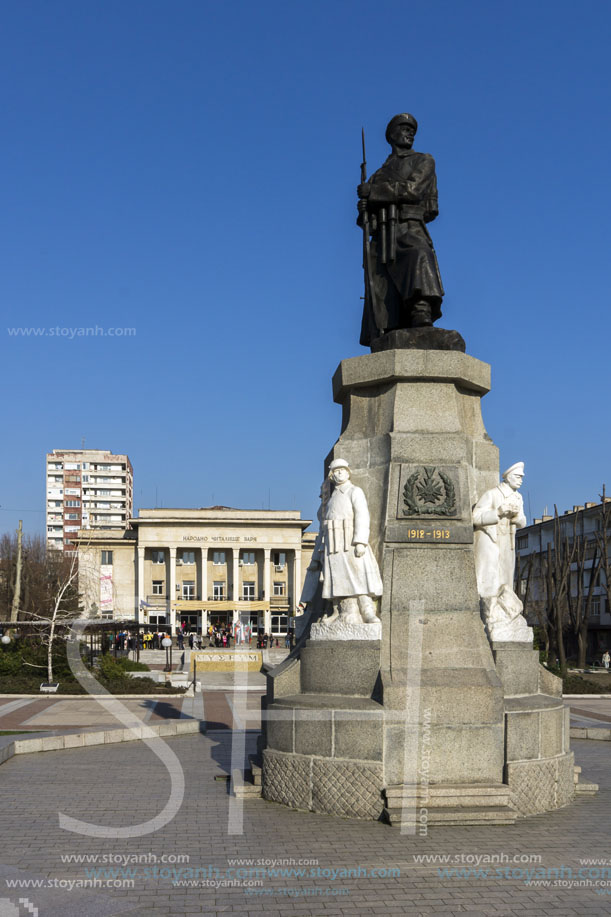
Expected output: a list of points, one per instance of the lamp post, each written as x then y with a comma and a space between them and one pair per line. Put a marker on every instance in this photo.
167, 643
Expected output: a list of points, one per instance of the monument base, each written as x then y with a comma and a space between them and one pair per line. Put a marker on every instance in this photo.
324, 743
427, 338
539, 765
435, 716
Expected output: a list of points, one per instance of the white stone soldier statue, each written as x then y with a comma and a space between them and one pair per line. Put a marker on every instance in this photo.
496, 516
351, 578
403, 286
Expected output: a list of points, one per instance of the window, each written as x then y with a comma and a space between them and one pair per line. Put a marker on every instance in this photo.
279, 588
218, 590
107, 558
157, 587
280, 624
595, 607
71, 503
158, 557
188, 557
85, 477
248, 590
188, 589
248, 557
521, 542
279, 558
218, 557
72, 516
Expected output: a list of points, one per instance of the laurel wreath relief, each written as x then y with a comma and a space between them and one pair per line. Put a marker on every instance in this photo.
429, 491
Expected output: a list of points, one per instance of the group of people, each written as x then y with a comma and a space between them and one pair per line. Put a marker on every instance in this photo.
219, 636
151, 640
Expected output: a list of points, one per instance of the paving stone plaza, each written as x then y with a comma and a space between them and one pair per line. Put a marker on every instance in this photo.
291, 862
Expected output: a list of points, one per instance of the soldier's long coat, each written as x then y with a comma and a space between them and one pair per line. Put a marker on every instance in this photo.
409, 181
346, 524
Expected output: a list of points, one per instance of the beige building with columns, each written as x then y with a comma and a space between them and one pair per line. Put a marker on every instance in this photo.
215, 565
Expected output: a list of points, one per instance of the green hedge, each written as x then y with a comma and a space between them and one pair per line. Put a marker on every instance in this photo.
23, 669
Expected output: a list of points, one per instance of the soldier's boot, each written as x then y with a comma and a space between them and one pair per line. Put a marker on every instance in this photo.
335, 613
350, 611
367, 609
420, 315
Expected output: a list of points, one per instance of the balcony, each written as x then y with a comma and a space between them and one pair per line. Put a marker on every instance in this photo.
241, 598
279, 601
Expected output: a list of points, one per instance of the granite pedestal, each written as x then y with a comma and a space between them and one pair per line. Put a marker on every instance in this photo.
447, 724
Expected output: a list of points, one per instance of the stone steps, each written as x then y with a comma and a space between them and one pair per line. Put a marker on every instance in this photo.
586, 789
250, 782
449, 804
456, 815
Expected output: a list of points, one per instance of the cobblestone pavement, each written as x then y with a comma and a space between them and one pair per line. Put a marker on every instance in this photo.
126, 784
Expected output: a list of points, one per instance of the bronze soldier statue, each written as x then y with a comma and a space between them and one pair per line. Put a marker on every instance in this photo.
402, 282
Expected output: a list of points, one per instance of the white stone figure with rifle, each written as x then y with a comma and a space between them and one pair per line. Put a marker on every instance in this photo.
496, 516
351, 578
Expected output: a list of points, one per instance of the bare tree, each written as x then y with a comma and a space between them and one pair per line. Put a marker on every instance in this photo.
587, 562
602, 540
47, 595
62, 608
558, 562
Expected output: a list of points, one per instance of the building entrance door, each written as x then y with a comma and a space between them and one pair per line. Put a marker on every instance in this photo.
222, 619
192, 622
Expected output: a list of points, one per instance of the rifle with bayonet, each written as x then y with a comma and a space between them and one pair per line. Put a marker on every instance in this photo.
366, 242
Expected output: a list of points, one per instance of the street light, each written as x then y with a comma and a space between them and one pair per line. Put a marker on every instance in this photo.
6, 639
167, 642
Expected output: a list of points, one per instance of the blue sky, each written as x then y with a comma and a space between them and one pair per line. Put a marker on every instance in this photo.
189, 169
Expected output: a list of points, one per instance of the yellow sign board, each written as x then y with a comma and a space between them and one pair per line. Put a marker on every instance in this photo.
226, 661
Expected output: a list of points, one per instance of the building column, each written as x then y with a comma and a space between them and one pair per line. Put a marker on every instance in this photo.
141, 595
236, 574
267, 575
204, 580
171, 615
296, 580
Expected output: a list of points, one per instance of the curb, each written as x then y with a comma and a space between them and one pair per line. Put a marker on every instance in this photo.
102, 737
581, 732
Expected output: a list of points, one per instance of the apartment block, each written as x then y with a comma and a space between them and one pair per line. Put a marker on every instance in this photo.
86, 489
